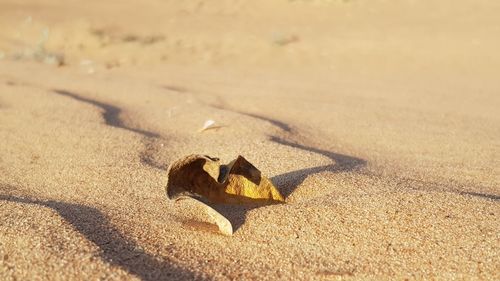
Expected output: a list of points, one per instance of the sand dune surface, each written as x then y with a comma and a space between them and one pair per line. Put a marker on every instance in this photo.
378, 120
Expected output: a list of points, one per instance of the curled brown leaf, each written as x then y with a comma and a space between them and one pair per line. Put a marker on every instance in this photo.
204, 179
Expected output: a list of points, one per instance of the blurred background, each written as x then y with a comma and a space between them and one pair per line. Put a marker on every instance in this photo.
338, 35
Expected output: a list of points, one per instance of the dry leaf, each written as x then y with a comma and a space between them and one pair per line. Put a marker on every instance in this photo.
239, 182
203, 178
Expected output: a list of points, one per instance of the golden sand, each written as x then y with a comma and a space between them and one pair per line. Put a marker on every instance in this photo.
378, 121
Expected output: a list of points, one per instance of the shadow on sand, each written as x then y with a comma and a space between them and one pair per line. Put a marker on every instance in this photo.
115, 248
111, 116
480, 195
288, 182
111, 113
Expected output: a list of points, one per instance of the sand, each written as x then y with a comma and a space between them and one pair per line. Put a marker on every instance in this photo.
378, 120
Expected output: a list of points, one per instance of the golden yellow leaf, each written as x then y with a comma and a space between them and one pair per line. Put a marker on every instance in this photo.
203, 178
239, 182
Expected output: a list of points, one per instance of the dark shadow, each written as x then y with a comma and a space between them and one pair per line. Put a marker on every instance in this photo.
450, 186
147, 156
111, 113
481, 195
148, 160
174, 88
342, 162
288, 182
115, 248
236, 214
222, 106
282, 125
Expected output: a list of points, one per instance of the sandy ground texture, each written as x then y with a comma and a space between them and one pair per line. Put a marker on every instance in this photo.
378, 120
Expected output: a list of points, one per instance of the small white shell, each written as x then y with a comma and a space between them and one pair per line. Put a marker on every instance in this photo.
208, 124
